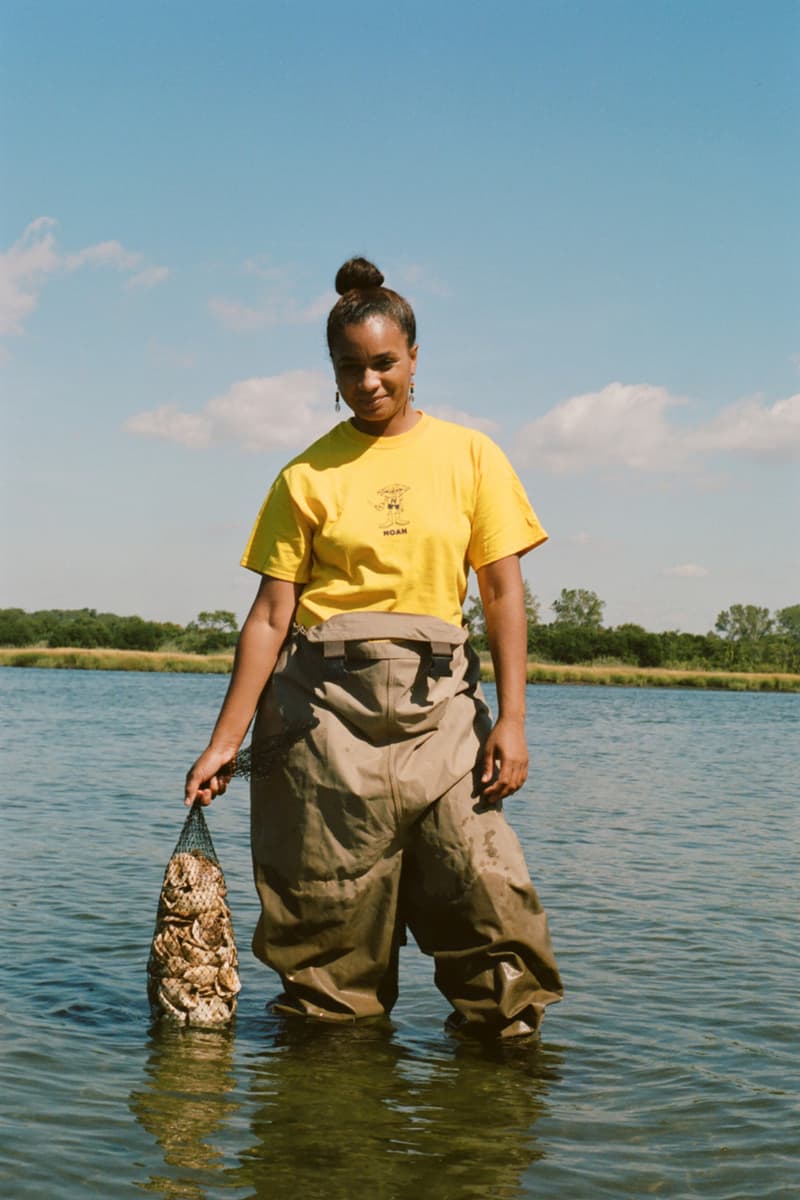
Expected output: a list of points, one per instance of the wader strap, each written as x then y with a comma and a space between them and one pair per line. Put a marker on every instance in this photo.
335, 652
337, 634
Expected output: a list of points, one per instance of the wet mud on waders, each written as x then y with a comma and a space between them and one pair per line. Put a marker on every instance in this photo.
373, 822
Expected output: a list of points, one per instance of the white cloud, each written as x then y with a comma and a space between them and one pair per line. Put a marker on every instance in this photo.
172, 425
279, 309
34, 258
242, 317
627, 425
278, 304
421, 277
149, 277
262, 267
752, 427
281, 411
622, 425
23, 269
447, 413
686, 571
582, 538
104, 254
316, 309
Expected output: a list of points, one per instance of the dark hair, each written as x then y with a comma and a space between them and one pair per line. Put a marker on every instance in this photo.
361, 295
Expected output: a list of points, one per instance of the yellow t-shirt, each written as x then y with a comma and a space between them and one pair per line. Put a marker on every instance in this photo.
391, 524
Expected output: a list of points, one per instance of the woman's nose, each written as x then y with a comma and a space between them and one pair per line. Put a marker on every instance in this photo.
370, 381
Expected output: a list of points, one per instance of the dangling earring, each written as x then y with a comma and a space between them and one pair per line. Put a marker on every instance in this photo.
337, 405
411, 391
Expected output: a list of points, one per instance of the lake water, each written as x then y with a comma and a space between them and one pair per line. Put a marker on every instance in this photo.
662, 832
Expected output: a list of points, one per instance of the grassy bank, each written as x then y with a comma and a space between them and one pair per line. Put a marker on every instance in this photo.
220, 664
624, 676
116, 660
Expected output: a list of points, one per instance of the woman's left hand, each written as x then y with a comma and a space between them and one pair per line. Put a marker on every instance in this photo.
505, 760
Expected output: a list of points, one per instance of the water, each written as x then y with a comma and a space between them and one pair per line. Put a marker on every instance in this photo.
661, 829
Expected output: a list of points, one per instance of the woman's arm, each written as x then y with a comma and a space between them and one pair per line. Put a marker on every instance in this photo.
505, 757
260, 640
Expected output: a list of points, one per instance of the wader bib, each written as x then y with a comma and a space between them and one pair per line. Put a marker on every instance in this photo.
373, 821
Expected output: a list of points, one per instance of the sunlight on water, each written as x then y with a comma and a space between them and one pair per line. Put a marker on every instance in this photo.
662, 833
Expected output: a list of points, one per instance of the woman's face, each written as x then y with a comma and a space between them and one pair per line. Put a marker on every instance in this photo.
374, 368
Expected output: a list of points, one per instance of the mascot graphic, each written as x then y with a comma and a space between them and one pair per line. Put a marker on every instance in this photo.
391, 503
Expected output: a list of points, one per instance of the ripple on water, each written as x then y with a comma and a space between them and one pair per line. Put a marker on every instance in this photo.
662, 833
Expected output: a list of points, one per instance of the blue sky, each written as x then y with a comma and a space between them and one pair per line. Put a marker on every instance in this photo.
592, 206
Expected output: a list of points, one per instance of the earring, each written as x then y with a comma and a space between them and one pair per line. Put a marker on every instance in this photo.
411, 391
337, 405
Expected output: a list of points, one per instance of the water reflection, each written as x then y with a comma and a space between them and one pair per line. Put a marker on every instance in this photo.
334, 1112
340, 1112
187, 1099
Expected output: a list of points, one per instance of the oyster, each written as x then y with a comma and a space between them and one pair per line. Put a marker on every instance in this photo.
192, 970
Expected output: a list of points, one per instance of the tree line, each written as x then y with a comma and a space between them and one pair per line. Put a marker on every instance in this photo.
745, 637
210, 632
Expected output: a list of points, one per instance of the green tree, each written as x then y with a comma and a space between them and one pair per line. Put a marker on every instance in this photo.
211, 631
747, 631
788, 621
475, 619
563, 643
80, 629
17, 628
579, 607
532, 605
131, 633
744, 623
633, 644
475, 622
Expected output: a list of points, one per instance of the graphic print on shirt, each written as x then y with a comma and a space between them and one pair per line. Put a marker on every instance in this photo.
391, 504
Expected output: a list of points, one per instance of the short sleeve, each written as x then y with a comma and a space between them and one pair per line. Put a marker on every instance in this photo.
280, 543
503, 521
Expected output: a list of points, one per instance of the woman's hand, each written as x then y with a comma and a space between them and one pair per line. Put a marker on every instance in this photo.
505, 760
208, 778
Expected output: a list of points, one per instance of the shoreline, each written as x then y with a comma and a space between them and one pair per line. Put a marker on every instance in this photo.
602, 675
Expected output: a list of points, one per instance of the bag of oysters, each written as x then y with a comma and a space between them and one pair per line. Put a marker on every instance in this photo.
192, 973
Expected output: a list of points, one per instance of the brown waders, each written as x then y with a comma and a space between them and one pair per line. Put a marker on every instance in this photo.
373, 822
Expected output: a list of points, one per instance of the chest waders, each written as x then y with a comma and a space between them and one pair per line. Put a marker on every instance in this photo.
373, 822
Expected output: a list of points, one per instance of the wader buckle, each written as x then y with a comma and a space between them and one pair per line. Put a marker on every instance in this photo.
441, 660
335, 656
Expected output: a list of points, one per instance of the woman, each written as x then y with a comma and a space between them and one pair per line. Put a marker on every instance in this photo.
385, 812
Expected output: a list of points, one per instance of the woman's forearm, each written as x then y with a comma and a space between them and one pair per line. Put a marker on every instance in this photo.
257, 652
503, 601
260, 641
505, 753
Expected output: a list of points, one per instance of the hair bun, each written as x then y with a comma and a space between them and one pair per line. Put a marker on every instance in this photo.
357, 274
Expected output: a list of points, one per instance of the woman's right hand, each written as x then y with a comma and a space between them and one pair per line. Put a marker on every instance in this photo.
207, 778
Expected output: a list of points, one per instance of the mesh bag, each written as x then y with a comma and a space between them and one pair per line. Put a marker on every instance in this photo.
192, 972
257, 760
192, 975
195, 837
